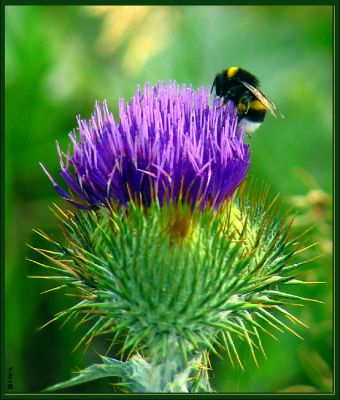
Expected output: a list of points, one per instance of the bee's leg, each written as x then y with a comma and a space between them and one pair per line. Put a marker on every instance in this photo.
224, 102
247, 105
227, 97
245, 100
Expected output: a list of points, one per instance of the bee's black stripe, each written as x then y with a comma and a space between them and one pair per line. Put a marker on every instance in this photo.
243, 75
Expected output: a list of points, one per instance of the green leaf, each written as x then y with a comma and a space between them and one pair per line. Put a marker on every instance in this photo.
110, 367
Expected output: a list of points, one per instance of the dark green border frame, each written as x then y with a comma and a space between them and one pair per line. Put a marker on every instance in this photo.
336, 140
174, 3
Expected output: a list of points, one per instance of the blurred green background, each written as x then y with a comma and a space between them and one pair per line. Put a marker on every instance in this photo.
59, 60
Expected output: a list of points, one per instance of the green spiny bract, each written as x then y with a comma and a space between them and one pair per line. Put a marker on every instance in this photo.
175, 282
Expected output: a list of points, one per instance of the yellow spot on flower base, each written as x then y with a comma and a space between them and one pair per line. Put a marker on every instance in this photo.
243, 231
179, 226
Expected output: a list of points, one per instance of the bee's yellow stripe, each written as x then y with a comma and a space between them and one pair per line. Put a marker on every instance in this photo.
232, 71
256, 105
253, 105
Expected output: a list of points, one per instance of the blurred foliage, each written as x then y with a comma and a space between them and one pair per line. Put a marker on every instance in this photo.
59, 60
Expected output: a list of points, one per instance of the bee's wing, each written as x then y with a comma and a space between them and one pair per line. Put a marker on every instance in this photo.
263, 99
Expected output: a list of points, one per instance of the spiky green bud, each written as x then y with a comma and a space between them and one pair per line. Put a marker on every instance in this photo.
176, 283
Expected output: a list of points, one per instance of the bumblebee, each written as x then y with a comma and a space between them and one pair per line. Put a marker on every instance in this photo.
242, 88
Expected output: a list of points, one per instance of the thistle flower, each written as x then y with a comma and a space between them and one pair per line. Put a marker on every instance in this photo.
167, 260
169, 143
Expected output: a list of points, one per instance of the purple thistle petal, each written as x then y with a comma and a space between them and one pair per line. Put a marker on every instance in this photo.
169, 142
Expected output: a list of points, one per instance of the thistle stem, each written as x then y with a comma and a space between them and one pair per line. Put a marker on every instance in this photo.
169, 373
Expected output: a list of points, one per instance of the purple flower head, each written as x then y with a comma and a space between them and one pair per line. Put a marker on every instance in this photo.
169, 143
